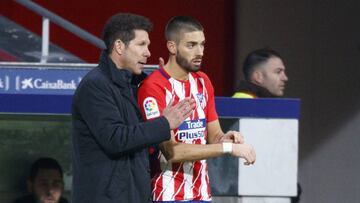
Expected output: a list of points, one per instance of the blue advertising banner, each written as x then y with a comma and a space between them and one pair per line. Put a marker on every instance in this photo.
45, 89
258, 108
41, 89
17, 80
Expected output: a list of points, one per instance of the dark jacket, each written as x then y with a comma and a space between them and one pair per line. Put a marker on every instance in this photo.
253, 90
110, 156
32, 199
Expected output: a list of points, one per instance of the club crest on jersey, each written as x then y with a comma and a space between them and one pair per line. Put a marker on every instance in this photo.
200, 97
201, 100
151, 108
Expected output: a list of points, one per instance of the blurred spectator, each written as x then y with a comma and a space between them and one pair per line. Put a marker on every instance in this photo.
45, 183
264, 73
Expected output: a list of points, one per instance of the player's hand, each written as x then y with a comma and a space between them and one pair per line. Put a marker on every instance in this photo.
176, 114
161, 62
244, 151
234, 137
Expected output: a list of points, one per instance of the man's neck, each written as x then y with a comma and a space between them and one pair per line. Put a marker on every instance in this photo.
115, 59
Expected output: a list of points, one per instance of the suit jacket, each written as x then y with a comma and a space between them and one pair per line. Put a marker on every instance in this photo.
110, 156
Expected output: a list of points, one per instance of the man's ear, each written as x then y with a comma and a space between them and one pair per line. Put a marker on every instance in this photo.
257, 77
171, 45
119, 46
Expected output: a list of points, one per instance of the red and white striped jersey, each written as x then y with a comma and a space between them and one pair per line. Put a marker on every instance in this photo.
186, 180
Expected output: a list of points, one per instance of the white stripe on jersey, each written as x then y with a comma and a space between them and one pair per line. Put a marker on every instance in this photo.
168, 182
178, 88
188, 180
203, 187
194, 91
168, 95
176, 174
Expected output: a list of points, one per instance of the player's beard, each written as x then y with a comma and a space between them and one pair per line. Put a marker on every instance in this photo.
186, 65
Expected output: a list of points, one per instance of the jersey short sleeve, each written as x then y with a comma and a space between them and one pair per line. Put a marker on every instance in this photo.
150, 100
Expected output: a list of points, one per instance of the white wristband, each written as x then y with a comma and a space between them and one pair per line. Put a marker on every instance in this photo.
227, 147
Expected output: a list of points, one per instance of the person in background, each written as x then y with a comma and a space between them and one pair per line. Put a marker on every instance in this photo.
264, 73
45, 183
265, 77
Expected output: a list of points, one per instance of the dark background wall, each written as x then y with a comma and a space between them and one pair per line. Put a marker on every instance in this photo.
217, 17
319, 41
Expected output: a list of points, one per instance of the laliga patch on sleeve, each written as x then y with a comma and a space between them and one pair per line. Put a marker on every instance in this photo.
151, 108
